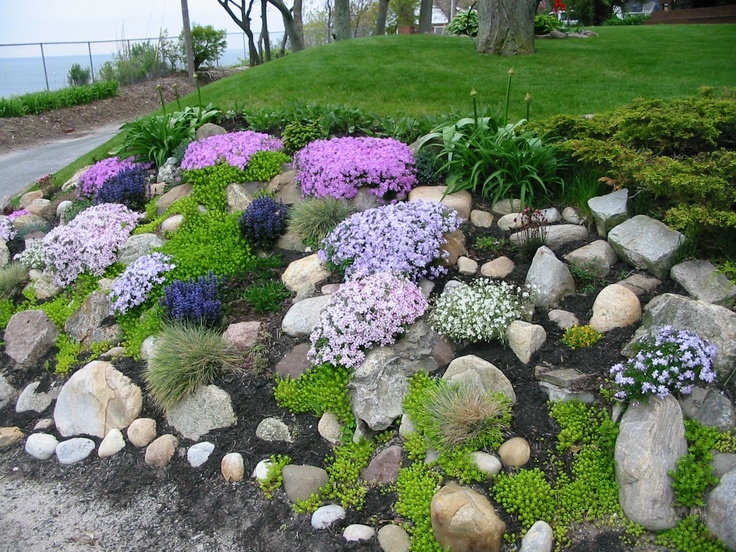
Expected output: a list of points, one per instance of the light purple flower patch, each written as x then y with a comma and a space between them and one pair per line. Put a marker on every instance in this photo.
234, 148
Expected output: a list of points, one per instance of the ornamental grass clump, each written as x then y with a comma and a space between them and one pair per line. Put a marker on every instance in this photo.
671, 361
193, 301
94, 177
89, 242
315, 217
134, 285
480, 311
186, 358
264, 221
402, 238
234, 148
364, 313
340, 166
11, 278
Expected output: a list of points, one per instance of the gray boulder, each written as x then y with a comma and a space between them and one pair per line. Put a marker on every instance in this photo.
539, 538
555, 236
646, 243
609, 210
137, 246
712, 322
170, 172
473, 370
41, 445
710, 407
597, 257
173, 195
74, 450
303, 316
93, 322
550, 278
208, 130
208, 408
719, 510
704, 282
6, 392
31, 399
300, 482
650, 441
29, 335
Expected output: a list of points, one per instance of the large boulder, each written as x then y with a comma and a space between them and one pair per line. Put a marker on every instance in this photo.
597, 257
462, 201
95, 400
473, 370
463, 520
208, 408
29, 335
93, 321
711, 407
174, 194
646, 243
712, 322
138, 245
555, 236
615, 307
303, 275
650, 441
550, 278
609, 210
303, 316
704, 282
720, 507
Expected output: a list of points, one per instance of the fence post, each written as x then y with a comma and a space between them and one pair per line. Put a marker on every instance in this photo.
91, 66
45, 73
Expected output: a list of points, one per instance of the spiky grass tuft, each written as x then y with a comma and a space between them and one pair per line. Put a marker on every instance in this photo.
11, 277
316, 217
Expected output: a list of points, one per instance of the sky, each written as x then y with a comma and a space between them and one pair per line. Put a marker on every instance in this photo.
34, 21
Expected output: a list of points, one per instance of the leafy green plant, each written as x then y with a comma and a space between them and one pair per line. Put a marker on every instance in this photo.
186, 357
266, 296
587, 281
344, 469
416, 486
429, 168
465, 22
580, 337
314, 218
7, 311
545, 23
298, 134
274, 478
690, 535
264, 165
68, 355
39, 102
492, 245
138, 324
526, 494
208, 45
78, 76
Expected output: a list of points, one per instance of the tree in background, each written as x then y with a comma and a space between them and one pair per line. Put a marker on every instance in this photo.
208, 45
78, 76
592, 12
342, 19
506, 27
240, 13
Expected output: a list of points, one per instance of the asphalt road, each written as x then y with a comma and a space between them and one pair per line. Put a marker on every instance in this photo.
21, 169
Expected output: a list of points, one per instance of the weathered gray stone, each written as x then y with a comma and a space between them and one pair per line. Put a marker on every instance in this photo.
512, 221
365, 200
208, 408
326, 516
46, 287
172, 224
464, 520
95, 400
563, 319
62, 207
304, 273
597, 257
646, 243
160, 452
93, 321
710, 407
7, 392
406, 427
111, 444
723, 463
461, 202
650, 441
473, 370
291, 242
357, 533
564, 377
300, 482
172, 196
550, 278
198, 454
712, 322
515, 452
168, 173
285, 188
719, 510
29, 335
30, 399
74, 450
4, 255
29, 197
570, 215
273, 429
384, 467
137, 246
41, 445
615, 307
609, 210
393, 538
555, 393
498, 268
704, 282
378, 388
640, 283
303, 316
481, 219
506, 206
539, 538
554, 236
72, 182
208, 130
525, 339
232, 467
295, 362
238, 198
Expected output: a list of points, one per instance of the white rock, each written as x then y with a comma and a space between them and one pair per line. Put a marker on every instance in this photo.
357, 533
498, 268
260, 472
487, 463
172, 224
41, 445
303, 316
525, 339
325, 516
111, 444
74, 450
31, 400
539, 538
199, 454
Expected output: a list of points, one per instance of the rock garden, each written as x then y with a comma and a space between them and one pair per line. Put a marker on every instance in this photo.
490, 337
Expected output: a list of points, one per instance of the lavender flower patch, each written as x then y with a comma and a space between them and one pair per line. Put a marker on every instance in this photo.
403, 238
364, 313
134, 285
93, 179
89, 242
19, 213
193, 301
673, 361
7, 230
234, 148
340, 166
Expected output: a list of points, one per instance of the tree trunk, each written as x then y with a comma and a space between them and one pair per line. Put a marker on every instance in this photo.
243, 22
425, 16
506, 27
265, 38
292, 23
342, 19
381, 18
187, 39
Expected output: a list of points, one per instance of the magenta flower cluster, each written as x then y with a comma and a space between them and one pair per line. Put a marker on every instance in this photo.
18, 213
364, 313
7, 230
340, 166
94, 177
402, 238
672, 361
89, 242
235, 148
133, 286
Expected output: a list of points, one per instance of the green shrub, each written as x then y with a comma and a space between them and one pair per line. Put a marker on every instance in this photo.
186, 357
264, 165
416, 486
208, 45
298, 134
314, 218
690, 535
579, 337
526, 494
344, 469
465, 22
266, 297
136, 62
12, 276
68, 355
274, 478
429, 168
36, 103
78, 76
545, 23
137, 325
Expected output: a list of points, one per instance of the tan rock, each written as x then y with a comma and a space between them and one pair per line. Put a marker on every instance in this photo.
392, 538
481, 219
111, 444
515, 452
467, 266
304, 273
172, 224
615, 306
37, 206
498, 268
160, 451
29, 197
9, 436
461, 202
232, 467
170, 197
454, 246
463, 520
242, 335
142, 431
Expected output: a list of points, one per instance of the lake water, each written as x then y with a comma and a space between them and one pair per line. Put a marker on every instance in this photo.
20, 75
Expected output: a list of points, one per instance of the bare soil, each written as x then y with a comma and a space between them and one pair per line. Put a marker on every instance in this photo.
122, 504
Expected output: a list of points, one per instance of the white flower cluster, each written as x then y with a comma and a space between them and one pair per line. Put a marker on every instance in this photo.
32, 257
479, 312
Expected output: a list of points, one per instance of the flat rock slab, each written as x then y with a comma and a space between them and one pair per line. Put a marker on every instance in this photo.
704, 282
646, 243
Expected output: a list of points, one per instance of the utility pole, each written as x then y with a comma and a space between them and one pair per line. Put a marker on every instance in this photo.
188, 39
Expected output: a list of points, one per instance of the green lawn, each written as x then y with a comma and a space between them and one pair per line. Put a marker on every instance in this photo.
417, 75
